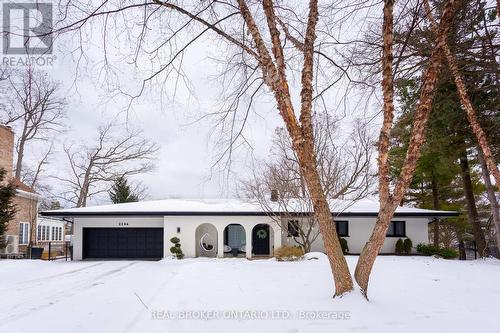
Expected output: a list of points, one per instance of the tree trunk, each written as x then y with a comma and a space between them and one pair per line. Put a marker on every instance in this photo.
467, 105
274, 73
498, 9
472, 215
338, 264
495, 210
389, 203
435, 202
20, 155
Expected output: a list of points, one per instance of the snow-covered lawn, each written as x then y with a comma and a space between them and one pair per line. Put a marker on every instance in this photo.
408, 294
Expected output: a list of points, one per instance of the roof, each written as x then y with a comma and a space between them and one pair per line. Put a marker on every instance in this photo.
364, 207
19, 185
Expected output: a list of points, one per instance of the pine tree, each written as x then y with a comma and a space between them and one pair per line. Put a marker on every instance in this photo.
121, 192
440, 181
7, 207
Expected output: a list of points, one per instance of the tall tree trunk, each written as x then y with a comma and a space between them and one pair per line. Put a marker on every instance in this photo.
495, 210
388, 202
498, 9
301, 132
338, 263
472, 215
435, 204
19, 161
467, 105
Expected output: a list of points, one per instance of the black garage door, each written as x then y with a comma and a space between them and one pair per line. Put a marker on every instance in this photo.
122, 243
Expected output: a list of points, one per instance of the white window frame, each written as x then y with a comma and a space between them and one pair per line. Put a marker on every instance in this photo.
24, 233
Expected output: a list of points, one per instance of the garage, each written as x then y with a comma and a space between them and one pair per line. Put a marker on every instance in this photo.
122, 243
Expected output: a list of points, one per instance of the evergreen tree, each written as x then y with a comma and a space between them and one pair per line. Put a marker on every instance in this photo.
7, 207
121, 192
449, 152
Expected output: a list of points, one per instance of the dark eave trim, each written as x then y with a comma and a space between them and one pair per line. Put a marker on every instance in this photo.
361, 214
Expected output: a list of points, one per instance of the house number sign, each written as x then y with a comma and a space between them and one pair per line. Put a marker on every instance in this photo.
122, 223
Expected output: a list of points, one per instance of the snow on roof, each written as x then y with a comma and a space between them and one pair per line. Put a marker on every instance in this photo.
229, 207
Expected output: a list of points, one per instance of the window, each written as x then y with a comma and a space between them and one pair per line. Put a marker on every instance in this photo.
39, 233
45, 233
24, 233
342, 228
293, 228
60, 233
54, 234
397, 229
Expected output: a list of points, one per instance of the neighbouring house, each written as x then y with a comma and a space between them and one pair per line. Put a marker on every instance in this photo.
22, 229
220, 227
51, 233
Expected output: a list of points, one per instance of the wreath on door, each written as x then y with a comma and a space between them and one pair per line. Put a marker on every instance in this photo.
261, 233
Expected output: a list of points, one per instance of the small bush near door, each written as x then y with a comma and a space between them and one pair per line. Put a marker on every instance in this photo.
400, 248
289, 253
407, 245
176, 249
343, 245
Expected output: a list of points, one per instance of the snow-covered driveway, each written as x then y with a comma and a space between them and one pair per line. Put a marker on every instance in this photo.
411, 294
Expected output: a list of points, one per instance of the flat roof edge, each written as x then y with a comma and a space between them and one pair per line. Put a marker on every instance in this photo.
361, 214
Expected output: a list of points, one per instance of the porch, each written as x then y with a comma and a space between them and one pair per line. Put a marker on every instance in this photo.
224, 236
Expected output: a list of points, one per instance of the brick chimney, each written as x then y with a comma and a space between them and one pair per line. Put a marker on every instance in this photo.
6, 149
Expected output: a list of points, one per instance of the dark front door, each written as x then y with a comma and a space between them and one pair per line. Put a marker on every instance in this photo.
260, 239
122, 243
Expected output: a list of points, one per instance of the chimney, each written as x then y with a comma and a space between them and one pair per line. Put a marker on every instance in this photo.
6, 149
274, 195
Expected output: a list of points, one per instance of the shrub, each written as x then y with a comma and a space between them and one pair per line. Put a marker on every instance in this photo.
289, 253
429, 250
176, 249
448, 253
343, 245
399, 247
407, 245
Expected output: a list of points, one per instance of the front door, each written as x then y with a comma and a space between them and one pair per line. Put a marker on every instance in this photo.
260, 240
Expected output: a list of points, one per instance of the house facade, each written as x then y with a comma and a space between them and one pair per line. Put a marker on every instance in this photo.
21, 230
222, 228
51, 235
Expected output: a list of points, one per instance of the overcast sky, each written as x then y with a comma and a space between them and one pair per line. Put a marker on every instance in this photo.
188, 147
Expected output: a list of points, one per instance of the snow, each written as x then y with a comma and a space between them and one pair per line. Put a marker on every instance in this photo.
407, 294
366, 205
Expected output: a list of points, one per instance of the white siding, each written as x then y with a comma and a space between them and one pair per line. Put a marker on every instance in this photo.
360, 229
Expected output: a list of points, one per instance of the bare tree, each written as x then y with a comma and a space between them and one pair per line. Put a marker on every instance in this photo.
34, 176
259, 57
267, 44
93, 167
344, 169
390, 201
37, 111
